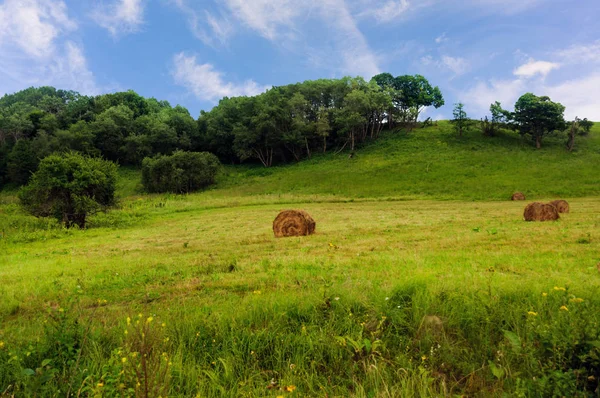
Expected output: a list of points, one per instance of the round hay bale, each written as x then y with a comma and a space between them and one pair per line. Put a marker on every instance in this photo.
293, 223
537, 211
517, 196
561, 205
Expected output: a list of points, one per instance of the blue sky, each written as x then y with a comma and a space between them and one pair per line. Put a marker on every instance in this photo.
193, 52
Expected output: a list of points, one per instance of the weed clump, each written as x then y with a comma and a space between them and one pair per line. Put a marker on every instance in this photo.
293, 223
537, 211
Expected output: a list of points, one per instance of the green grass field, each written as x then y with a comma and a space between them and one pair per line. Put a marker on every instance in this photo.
422, 280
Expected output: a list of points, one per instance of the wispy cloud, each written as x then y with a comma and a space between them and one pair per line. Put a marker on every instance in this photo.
266, 16
441, 39
533, 68
207, 83
32, 26
120, 17
34, 50
458, 66
580, 53
386, 11
205, 26
351, 46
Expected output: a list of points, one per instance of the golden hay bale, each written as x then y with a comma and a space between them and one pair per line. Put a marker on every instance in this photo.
517, 196
293, 223
537, 211
561, 205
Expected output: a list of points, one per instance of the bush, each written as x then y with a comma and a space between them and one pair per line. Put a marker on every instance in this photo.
69, 187
180, 172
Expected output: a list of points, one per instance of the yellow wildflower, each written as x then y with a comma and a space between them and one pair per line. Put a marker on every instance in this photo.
532, 313
128, 321
424, 358
564, 308
163, 325
150, 319
544, 294
576, 300
124, 359
289, 388
256, 292
1, 345
100, 384
559, 289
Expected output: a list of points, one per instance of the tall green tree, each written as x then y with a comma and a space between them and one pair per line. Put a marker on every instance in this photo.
70, 187
538, 116
460, 120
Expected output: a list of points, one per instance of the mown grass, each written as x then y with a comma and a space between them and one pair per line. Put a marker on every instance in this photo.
392, 297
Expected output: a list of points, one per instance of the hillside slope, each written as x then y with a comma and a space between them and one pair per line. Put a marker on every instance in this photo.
433, 163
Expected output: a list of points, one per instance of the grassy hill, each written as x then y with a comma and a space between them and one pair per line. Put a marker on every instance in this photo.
422, 280
434, 163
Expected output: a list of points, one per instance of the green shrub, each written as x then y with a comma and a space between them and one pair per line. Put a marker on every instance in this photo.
69, 187
180, 172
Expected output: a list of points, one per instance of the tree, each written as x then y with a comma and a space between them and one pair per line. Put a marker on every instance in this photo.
21, 163
181, 172
586, 126
70, 187
538, 116
414, 93
499, 118
460, 120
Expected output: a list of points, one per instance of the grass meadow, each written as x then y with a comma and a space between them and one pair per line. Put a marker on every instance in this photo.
421, 280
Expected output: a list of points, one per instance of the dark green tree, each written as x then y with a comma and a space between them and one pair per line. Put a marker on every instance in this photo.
538, 116
70, 187
181, 172
586, 125
21, 163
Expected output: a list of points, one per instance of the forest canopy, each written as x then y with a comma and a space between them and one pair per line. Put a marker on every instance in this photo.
286, 123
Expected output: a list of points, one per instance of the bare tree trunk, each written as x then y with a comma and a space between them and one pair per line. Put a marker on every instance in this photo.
538, 141
307, 148
571, 142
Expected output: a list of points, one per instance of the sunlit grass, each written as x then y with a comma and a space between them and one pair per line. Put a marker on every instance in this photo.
339, 313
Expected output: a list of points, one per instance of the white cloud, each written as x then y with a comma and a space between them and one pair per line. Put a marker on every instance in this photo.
278, 20
221, 28
441, 39
533, 68
31, 26
207, 83
388, 11
459, 66
266, 16
350, 44
120, 17
578, 96
581, 53
427, 60
34, 50
478, 98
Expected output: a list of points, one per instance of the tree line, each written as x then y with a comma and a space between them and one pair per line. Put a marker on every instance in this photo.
534, 117
286, 123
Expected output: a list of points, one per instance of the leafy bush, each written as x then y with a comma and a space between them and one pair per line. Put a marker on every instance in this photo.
69, 187
180, 172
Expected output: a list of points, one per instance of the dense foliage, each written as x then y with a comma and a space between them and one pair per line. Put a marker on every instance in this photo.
291, 122
286, 123
180, 172
69, 187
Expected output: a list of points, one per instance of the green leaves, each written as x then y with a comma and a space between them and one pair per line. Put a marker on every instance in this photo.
69, 187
